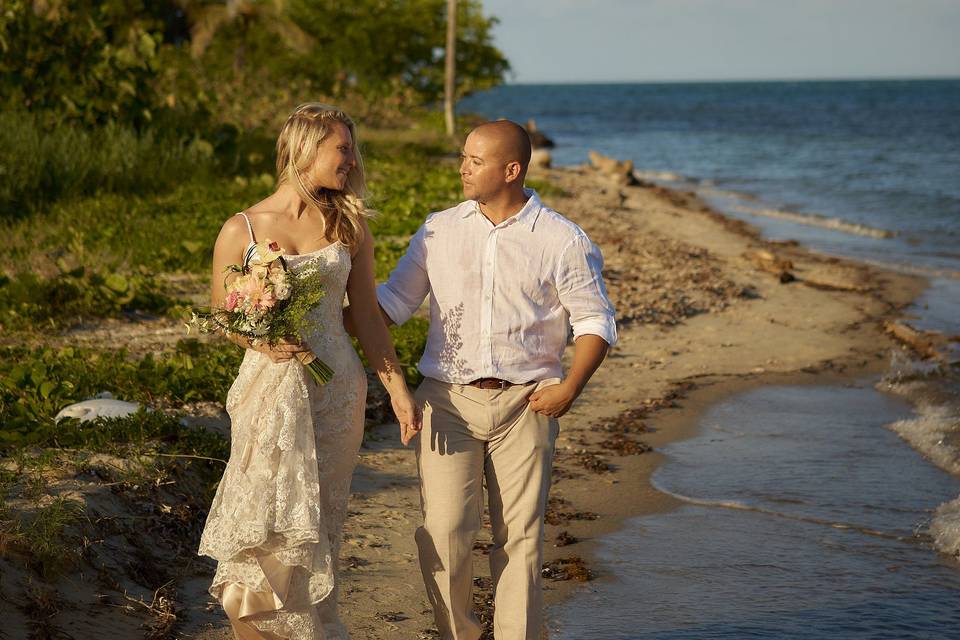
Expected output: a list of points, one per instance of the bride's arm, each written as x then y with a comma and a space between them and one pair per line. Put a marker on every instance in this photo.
228, 250
371, 331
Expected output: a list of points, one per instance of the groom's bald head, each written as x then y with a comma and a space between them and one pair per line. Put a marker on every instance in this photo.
495, 159
507, 140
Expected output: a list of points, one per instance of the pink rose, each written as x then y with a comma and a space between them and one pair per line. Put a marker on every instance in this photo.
231, 302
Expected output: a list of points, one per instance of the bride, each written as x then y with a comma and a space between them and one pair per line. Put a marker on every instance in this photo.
276, 521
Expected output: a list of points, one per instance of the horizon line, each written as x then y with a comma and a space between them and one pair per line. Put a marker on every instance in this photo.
737, 80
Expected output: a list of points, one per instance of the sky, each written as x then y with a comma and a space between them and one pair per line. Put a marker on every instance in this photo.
667, 40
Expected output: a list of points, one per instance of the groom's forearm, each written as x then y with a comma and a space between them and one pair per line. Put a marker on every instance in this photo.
589, 352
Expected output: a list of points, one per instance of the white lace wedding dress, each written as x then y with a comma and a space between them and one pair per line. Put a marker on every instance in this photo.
276, 520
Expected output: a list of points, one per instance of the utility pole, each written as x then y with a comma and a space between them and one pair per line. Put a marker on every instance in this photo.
450, 71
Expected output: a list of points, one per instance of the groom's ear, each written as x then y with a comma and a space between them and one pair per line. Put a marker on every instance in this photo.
512, 171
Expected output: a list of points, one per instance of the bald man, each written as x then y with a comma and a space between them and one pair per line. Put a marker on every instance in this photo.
509, 279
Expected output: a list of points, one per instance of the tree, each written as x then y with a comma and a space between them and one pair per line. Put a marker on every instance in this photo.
450, 67
207, 18
85, 60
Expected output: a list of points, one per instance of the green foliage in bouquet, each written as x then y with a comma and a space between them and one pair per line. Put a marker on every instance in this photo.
289, 318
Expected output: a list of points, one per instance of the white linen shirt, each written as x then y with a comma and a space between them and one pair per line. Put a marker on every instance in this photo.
502, 297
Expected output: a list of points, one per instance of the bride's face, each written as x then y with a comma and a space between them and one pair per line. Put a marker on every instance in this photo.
335, 159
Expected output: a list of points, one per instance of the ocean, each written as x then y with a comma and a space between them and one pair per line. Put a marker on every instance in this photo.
854, 531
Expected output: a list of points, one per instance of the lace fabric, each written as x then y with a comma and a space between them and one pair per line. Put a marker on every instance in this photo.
283, 495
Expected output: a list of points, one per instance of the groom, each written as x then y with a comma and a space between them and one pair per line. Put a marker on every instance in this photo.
508, 278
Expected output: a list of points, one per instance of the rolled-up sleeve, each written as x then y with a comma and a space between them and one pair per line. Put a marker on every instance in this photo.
403, 293
582, 292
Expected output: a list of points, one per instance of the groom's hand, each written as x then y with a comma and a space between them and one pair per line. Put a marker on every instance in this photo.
553, 401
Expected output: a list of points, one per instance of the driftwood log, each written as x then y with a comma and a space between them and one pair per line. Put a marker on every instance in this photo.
925, 343
620, 170
767, 261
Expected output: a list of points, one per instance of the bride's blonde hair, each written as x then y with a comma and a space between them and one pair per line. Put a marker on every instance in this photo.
297, 147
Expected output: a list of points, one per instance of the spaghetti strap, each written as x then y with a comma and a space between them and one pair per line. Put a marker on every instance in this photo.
249, 226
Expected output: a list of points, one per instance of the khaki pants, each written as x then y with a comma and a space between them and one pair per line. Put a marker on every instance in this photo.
470, 435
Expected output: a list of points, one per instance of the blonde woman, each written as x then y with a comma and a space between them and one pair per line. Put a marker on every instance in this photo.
275, 523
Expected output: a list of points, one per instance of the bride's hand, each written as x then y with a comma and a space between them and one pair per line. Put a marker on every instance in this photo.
284, 350
408, 415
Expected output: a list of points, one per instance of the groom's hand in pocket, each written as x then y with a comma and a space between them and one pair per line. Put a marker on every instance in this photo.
554, 400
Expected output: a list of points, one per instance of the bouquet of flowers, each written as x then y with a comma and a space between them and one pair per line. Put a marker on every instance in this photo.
266, 303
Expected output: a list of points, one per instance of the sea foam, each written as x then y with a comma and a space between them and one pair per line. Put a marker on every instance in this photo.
945, 528
818, 220
934, 431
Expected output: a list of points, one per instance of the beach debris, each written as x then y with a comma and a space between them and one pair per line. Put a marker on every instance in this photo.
628, 421
624, 446
555, 515
562, 473
768, 261
591, 461
355, 562
540, 159
482, 546
564, 539
483, 605
538, 138
391, 616
569, 568
106, 407
620, 170
928, 344
835, 277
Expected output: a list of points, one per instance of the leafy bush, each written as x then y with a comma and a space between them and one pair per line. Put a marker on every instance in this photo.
407, 182
169, 232
77, 293
41, 164
85, 60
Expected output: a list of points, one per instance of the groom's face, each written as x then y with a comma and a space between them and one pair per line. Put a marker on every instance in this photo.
481, 167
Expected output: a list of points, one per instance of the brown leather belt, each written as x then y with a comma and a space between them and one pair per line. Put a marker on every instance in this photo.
491, 383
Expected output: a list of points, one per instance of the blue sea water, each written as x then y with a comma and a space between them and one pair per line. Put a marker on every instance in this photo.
808, 515
881, 154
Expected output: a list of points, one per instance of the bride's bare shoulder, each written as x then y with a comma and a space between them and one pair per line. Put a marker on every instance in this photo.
233, 235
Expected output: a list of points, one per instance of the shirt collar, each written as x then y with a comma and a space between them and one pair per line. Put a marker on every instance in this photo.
526, 216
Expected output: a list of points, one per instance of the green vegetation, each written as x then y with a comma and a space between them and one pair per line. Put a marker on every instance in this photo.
78, 293
47, 536
44, 380
129, 132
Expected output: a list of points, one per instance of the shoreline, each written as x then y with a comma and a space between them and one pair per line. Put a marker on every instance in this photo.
629, 493
671, 365
699, 320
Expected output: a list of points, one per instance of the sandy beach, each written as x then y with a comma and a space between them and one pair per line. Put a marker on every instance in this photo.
698, 320
704, 310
